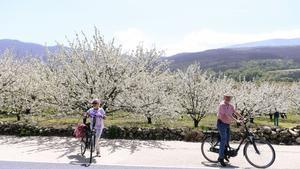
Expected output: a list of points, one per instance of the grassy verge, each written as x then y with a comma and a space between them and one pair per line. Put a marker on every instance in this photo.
291, 121
126, 119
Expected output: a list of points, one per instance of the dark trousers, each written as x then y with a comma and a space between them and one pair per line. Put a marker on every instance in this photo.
224, 131
276, 119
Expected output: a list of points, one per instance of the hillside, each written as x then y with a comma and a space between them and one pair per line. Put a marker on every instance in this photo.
269, 43
233, 58
21, 49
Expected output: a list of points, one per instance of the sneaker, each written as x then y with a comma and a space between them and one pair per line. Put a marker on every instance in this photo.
221, 161
226, 158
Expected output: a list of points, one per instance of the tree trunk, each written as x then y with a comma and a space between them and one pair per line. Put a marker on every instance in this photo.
196, 122
149, 120
18, 117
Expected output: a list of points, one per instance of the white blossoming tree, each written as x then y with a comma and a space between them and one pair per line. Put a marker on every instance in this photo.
199, 92
295, 96
148, 88
253, 98
88, 69
9, 70
21, 86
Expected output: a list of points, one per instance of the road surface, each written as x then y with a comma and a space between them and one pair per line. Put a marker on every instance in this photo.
63, 153
37, 165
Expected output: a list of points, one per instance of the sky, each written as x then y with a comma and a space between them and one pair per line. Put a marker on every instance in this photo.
172, 25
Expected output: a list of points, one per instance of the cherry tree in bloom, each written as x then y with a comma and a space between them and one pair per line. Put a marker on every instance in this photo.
55, 87
148, 87
88, 69
9, 70
295, 97
275, 96
199, 92
23, 91
253, 98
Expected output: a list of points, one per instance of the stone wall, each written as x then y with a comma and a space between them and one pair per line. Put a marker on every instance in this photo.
274, 135
21, 129
280, 135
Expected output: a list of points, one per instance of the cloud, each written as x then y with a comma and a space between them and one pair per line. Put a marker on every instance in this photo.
208, 39
132, 37
198, 40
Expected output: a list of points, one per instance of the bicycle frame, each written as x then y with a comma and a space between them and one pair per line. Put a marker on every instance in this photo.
211, 144
89, 135
248, 137
92, 131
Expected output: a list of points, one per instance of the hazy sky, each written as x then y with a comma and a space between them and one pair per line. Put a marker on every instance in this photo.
172, 25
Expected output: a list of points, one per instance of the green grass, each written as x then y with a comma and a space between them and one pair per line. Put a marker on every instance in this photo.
8, 118
58, 122
291, 121
285, 70
132, 120
126, 119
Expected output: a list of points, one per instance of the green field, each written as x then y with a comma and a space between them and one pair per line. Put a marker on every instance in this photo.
285, 70
132, 120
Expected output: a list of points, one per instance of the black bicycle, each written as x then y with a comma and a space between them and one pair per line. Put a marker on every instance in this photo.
258, 152
88, 142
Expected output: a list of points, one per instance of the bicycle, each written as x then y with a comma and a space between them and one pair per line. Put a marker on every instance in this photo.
255, 149
88, 142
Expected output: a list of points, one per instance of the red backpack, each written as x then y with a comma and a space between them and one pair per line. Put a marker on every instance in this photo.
79, 131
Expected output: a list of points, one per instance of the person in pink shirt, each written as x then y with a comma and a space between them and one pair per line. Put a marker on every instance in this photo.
226, 115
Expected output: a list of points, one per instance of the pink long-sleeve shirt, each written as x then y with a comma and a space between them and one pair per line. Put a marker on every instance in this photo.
225, 112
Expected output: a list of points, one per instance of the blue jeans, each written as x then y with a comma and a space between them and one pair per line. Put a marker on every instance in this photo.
224, 132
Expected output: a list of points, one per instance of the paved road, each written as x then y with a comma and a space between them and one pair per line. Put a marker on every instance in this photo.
35, 165
62, 152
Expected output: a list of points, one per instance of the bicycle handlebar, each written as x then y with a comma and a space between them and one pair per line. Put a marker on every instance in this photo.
244, 121
86, 114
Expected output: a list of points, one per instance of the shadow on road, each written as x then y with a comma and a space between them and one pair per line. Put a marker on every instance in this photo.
34, 144
132, 145
68, 146
114, 145
80, 160
216, 165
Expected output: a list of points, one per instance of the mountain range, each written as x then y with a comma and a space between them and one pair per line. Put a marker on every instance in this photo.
269, 43
21, 49
231, 58
234, 56
215, 59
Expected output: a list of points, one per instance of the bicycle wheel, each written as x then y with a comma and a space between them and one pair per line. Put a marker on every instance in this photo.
92, 147
83, 144
209, 148
263, 156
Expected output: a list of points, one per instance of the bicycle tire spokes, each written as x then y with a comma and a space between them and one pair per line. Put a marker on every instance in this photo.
208, 148
260, 154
